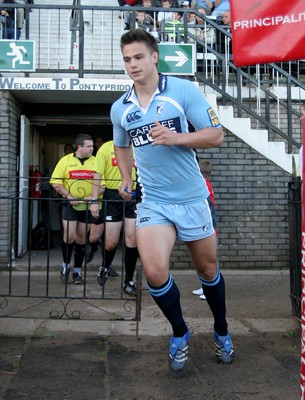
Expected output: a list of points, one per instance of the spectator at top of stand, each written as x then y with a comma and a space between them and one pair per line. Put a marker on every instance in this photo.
206, 4
127, 2
224, 44
165, 15
173, 29
127, 15
152, 15
184, 5
226, 18
220, 6
11, 19
158, 3
205, 33
142, 21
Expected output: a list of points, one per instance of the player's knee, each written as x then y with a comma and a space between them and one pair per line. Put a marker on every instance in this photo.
110, 246
208, 271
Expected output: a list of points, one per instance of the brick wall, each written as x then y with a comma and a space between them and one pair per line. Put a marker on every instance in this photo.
251, 206
250, 194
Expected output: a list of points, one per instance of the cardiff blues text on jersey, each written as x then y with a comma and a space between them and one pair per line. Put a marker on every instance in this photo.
164, 171
140, 134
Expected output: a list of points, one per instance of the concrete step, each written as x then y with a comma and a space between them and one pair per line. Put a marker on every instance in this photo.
256, 138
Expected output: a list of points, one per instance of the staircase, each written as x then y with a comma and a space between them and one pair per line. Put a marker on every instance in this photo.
256, 138
102, 31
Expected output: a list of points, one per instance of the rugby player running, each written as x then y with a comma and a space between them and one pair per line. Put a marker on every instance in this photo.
153, 117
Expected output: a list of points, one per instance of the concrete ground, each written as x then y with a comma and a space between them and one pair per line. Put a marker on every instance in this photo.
79, 359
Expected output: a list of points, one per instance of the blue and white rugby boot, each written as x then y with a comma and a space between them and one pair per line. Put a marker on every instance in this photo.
224, 348
178, 351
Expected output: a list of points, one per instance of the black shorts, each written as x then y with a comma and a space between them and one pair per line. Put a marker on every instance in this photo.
115, 208
68, 213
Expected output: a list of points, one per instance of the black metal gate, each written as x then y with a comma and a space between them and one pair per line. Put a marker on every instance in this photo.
295, 235
30, 286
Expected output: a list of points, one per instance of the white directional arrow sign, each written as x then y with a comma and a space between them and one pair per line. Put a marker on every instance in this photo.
180, 58
177, 58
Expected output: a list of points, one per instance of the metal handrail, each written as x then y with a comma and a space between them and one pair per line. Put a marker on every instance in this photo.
224, 68
246, 79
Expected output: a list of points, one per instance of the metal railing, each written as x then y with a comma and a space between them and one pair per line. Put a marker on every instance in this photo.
84, 41
262, 92
30, 286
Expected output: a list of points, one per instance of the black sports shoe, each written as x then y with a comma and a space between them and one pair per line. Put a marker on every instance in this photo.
130, 288
112, 272
102, 276
77, 278
64, 274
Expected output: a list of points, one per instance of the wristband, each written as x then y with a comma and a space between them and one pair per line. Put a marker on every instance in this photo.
94, 201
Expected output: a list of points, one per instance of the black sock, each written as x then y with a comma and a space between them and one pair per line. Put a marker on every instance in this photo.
215, 296
94, 246
131, 256
167, 298
67, 250
108, 257
79, 254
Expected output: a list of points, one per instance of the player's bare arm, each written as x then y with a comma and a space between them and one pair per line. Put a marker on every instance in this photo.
124, 157
202, 139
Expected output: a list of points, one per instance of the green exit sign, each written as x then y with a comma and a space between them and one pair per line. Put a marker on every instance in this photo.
17, 55
177, 58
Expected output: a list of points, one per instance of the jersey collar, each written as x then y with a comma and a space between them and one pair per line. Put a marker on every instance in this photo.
161, 86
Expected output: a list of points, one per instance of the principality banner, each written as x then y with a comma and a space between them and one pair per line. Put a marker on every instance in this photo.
267, 31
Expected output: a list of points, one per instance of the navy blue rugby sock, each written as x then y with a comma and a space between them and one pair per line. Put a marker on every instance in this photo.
167, 297
214, 292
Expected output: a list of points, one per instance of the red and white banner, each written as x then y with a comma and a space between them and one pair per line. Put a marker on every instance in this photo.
302, 381
267, 31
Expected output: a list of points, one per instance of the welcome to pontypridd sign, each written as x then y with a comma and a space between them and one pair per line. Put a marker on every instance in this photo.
70, 84
104, 85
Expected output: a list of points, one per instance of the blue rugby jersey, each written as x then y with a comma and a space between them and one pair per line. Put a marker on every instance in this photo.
167, 174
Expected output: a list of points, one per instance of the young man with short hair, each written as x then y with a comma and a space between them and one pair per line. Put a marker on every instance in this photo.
152, 118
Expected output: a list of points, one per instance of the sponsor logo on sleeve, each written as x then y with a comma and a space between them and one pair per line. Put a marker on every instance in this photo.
213, 117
